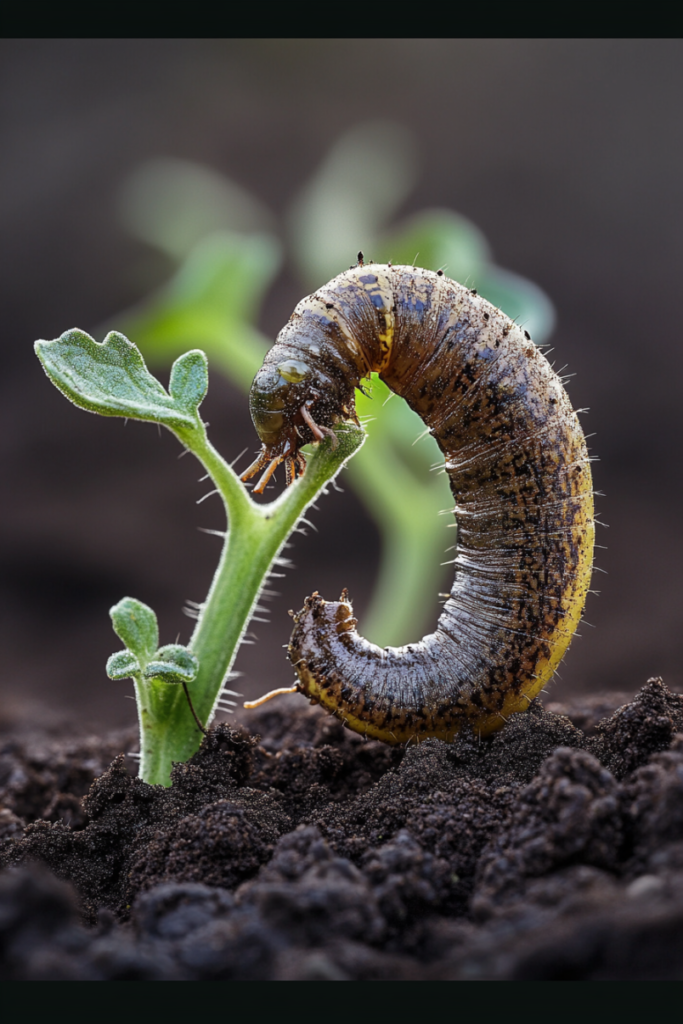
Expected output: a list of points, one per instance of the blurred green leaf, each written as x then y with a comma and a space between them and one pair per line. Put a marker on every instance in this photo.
441, 239
174, 204
437, 239
521, 299
363, 179
212, 301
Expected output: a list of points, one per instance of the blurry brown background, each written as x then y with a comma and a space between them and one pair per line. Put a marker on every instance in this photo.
567, 154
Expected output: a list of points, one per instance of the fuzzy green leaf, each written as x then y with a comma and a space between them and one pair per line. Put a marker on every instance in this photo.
122, 665
189, 380
173, 664
111, 378
136, 625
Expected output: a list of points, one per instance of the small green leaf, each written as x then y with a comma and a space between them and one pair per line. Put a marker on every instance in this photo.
109, 378
123, 665
136, 625
173, 664
189, 380
434, 239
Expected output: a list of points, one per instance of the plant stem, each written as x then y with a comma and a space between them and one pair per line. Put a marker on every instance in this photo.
256, 535
412, 548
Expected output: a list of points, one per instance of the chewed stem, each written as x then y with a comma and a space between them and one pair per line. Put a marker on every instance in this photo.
269, 696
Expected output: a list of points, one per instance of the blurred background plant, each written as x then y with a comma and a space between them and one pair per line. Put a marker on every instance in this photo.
225, 249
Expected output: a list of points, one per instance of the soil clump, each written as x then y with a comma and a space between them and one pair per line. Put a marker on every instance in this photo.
294, 849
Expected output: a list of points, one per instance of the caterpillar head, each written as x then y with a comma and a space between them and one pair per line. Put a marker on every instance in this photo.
274, 400
280, 401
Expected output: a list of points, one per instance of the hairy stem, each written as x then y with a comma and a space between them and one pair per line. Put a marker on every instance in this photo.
256, 535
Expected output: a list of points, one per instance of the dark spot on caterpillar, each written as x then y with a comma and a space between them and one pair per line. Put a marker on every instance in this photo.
439, 273
473, 291
519, 472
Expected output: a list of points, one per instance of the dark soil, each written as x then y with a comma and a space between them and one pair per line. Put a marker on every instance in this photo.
296, 850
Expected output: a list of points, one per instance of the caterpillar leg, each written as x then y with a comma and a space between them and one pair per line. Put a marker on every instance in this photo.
318, 432
259, 463
293, 464
262, 461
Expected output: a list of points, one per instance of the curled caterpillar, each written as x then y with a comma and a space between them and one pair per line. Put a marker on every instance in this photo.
519, 470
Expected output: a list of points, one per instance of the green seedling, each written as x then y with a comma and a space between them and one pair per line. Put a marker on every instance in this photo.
178, 688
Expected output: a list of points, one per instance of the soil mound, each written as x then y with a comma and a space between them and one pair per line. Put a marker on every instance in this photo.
297, 850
